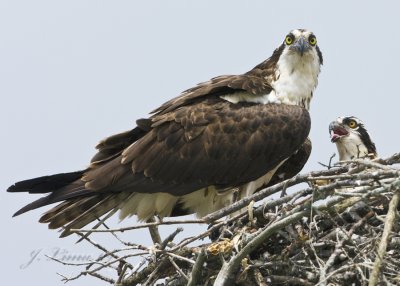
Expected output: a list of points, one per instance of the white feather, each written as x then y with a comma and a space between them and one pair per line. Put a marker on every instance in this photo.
351, 147
297, 78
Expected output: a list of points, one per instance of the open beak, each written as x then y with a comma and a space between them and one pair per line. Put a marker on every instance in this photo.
336, 131
301, 46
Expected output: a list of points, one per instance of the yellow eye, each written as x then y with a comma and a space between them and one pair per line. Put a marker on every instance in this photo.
312, 40
289, 40
352, 124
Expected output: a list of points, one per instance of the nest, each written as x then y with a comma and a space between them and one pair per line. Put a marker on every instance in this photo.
341, 229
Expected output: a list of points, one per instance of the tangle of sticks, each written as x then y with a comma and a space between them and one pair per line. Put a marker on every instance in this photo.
338, 226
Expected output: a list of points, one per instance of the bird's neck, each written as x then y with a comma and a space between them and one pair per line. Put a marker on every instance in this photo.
351, 150
296, 78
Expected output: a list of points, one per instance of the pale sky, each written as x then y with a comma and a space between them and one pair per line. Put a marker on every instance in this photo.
73, 72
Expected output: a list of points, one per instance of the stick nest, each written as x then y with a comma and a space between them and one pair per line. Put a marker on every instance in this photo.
333, 227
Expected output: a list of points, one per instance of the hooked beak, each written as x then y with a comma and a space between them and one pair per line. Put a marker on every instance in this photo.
301, 46
336, 131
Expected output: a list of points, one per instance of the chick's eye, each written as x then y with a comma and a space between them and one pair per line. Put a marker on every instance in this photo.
288, 40
352, 124
312, 40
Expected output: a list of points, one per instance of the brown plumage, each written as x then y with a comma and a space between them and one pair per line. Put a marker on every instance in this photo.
188, 155
179, 154
293, 165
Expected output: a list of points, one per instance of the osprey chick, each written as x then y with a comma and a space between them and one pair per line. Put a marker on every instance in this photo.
215, 143
351, 138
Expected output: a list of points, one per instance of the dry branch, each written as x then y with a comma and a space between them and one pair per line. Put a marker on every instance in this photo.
380, 255
323, 234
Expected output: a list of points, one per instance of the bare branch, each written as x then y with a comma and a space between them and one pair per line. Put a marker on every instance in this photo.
322, 232
385, 238
143, 225
197, 268
228, 269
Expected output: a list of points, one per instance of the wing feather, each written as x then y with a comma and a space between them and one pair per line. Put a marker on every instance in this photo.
190, 142
256, 147
250, 82
293, 165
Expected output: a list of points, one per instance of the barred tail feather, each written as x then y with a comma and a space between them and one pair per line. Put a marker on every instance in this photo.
85, 215
79, 206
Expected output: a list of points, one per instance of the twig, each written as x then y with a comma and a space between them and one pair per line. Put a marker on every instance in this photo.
287, 280
197, 269
99, 223
338, 249
206, 233
144, 225
390, 218
371, 164
177, 268
270, 191
228, 268
355, 194
394, 159
330, 162
73, 264
101, 277
154, 233
102, 266
121, 275
179, 257
138, 266
170, 238
153, 273
102, 248
151, 270
343, 268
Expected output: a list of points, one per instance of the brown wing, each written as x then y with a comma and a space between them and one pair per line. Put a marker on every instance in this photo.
293, 165
112, 146
213, 142
253, 83
191, 142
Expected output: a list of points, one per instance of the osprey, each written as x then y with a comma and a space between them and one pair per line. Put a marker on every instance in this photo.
214, 144
351, 138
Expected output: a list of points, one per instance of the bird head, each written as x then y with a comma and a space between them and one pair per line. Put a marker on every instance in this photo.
351, 138
302, 42
296, 64
301, 45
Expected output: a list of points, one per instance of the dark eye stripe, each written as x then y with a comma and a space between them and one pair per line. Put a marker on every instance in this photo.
346, 120
350, 121
312, 38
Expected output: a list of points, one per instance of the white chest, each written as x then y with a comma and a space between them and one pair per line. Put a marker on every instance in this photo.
351, 147
296, 79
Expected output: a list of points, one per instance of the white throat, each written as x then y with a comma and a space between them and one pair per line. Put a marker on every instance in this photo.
297, 77
351, 147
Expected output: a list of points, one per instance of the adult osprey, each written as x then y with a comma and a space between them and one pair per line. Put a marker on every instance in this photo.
351, 138
215, 143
